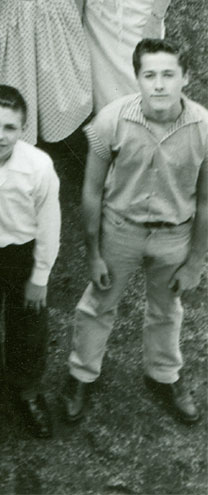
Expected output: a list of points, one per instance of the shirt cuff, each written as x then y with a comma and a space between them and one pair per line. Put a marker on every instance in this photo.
39, 277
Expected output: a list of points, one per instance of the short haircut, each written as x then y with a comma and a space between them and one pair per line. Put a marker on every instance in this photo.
149, 45
10, 97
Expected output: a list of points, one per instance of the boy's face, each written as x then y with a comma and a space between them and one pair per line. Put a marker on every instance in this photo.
10, 131
161, 80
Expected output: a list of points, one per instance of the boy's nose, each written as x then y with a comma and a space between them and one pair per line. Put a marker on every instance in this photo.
159, 84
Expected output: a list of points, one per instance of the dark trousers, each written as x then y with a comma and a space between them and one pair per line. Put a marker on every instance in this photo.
25, 329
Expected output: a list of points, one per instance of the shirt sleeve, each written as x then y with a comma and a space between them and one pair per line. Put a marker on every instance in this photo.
101, 132
48, 217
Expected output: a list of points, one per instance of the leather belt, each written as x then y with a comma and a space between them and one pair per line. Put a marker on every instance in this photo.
152, 225
158, 225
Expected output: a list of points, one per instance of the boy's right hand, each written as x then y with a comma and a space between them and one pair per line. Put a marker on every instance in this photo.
99, 273
35, 296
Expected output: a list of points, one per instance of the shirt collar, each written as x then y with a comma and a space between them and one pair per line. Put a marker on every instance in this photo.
189, 115
17, 160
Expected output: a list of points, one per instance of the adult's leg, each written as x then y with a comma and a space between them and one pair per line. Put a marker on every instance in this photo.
122, 247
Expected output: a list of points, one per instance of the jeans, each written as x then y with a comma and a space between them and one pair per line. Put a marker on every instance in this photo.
124, 246
25, 330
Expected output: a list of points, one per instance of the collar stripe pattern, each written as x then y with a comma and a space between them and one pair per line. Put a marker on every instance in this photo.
134, 113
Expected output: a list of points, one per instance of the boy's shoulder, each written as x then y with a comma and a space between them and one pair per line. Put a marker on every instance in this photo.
31, 159
116, 108
110, 116
198, 110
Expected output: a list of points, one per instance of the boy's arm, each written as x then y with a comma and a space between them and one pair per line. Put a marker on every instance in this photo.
154, 24
92, 196
188, 275
47, 238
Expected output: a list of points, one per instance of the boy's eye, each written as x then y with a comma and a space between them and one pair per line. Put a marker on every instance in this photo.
10, 128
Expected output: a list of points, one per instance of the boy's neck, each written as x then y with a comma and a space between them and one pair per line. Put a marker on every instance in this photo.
163, 117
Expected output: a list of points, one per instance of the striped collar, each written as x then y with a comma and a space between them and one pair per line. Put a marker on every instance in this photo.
191, 113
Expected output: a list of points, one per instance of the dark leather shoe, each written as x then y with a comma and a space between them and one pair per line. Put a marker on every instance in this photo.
177, 396
37, 417
74, 398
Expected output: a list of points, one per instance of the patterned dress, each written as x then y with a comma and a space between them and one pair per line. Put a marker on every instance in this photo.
113, 28
43, 52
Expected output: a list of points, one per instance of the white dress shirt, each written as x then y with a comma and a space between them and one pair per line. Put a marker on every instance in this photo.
29, 206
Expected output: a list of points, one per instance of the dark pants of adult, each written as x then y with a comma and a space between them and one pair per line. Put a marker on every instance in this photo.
25, 329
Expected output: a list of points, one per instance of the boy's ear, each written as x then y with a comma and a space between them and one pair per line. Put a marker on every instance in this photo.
186, 79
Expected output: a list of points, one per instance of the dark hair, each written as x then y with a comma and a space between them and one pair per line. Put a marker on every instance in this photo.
149, 45
10, 97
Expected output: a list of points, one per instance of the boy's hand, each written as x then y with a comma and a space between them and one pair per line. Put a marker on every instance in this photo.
99, 273
185, 278
35, 296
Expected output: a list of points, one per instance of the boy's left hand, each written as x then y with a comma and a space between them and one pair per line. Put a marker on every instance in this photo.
185, 278
35, 296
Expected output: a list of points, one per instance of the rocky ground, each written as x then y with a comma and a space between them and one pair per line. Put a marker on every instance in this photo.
127, 444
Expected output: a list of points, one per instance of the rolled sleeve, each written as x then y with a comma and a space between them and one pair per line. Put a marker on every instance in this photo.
96, 143
101, 131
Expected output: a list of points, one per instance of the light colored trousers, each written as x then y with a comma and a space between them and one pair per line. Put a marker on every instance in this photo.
124, 246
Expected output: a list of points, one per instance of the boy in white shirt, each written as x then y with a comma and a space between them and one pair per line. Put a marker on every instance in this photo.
29, 243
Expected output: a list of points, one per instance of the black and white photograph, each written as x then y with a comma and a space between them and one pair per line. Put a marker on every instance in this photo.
103, 247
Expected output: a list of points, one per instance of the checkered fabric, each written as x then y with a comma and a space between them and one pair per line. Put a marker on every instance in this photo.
43, 52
